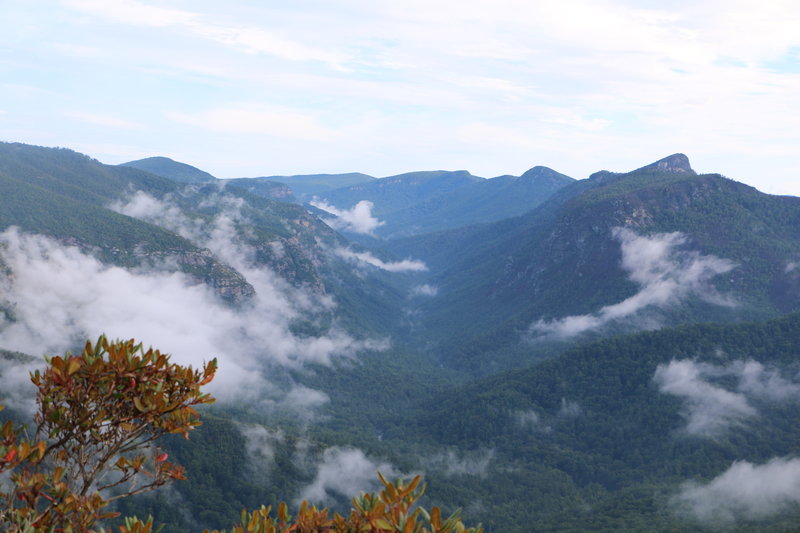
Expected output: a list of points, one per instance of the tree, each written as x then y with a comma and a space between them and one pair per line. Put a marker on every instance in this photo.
394, 510
100, 415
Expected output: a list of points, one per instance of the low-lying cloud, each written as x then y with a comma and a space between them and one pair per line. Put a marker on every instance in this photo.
527, 419
358, 219
424, 290
710, 407
60, 295
162, 213
743, 492
569, 409
261, 445
453, 463
665, 275
406, 265
345, 473
16, 391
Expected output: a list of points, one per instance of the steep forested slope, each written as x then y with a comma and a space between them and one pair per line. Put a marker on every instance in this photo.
631, 433
611, 240
628, 420
63, 194
305, 187
128, 216
600, 436
174, 170
424, 202
483, 201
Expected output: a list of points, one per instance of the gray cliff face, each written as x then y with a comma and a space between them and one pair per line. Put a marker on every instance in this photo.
226, 281
674, 164
203, 267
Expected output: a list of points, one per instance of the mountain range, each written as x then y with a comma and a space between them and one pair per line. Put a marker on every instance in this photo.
602, 354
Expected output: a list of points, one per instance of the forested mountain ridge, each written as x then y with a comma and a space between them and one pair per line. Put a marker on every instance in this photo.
401, 191
640, 432
423, 202
483, 201
306, 186
63, 194
640, 414
131, 218
570, 266
174, 170
461, 354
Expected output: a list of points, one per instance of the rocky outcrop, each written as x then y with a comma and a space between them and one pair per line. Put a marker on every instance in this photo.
674, 164
205, 268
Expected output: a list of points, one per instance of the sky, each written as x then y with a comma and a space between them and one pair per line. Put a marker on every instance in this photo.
248, 88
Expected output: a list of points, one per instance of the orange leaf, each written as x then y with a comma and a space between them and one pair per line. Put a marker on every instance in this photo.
10, 455
73, 366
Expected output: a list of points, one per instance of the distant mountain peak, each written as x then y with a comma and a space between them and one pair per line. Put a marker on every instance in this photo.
156, 159
674, 164
171, 169
540, 172
602, 175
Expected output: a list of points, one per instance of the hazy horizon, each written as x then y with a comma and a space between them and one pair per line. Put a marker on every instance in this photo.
239, 89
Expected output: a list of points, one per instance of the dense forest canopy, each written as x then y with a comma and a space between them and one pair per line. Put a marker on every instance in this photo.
549, 354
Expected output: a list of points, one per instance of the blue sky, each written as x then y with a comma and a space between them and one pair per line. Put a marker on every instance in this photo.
252, 88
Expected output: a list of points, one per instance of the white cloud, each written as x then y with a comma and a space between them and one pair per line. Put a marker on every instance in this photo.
80, 51
528, 419
60, 296
250, 39
744, 491
358, 219
260, 444
480, 133
424, 290
16, 390
406, 265
133, 12
665, 275
760, 382
106, 121
303, 398
711, 408
569, 409
461, 463
345, 472
257, 119
613, 78
145, 207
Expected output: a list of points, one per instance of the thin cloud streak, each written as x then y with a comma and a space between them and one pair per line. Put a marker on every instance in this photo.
358, 219
249, 39
712, 409
103, 120
343, 473
366, 258
665, 274
256, 119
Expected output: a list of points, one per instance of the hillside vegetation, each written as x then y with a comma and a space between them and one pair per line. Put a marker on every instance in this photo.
617, 353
